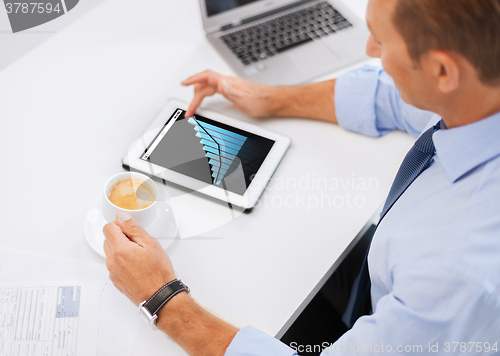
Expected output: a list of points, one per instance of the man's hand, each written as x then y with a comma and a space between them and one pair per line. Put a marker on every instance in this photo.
251, 99
312, 101
138, 266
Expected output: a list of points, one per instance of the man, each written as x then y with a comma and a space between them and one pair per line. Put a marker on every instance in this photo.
434, 262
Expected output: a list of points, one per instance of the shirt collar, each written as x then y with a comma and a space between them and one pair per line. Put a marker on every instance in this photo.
463, 148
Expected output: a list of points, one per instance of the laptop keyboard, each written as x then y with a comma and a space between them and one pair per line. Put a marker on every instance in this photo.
256, 43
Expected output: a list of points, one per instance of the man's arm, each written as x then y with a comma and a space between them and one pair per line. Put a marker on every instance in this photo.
365, 101
193, 328
313, 101
138, 266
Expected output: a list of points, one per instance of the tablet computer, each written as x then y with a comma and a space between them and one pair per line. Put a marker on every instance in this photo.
211, 153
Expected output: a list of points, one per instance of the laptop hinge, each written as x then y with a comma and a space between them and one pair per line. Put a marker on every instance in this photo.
231, 25
265, 14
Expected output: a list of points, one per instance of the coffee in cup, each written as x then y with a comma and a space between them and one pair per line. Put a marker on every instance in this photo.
133, 193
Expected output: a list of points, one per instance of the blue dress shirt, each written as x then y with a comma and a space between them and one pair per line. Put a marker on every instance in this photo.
435, 259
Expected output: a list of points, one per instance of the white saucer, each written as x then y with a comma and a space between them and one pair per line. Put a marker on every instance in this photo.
164, 227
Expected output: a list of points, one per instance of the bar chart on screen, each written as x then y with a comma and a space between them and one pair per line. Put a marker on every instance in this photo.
229, 153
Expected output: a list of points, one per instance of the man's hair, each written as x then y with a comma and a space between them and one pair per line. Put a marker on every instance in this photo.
470, 28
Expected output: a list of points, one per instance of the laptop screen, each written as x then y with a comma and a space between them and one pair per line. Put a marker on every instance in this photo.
215, 7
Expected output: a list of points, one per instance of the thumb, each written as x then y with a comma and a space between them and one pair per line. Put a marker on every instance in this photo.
132, 229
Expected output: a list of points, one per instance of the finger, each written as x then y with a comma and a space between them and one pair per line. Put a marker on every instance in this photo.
192, 106
114, 235
107, 249
132, 229
198, 78
110, 264
198, 98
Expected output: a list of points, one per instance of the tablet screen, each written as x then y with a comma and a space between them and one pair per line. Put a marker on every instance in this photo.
209, 151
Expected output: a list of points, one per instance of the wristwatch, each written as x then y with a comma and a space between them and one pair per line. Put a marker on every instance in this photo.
149, 308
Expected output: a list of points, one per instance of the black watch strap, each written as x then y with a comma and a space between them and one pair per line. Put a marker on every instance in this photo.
163, 295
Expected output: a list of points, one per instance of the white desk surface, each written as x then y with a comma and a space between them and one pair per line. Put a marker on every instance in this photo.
69, 110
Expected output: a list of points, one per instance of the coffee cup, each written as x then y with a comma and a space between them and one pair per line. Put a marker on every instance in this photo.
133, 193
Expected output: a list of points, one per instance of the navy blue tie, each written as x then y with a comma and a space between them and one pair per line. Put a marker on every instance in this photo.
416, 161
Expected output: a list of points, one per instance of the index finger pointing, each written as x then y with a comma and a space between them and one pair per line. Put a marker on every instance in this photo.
198, 98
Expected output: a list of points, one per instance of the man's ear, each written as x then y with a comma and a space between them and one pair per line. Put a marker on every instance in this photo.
445, 70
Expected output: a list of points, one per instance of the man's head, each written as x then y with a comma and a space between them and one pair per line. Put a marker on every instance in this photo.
436, 49
470, 28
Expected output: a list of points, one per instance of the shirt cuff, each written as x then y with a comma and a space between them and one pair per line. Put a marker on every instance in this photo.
250, 341
355, 94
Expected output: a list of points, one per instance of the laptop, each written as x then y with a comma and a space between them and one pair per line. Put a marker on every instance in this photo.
283, 42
